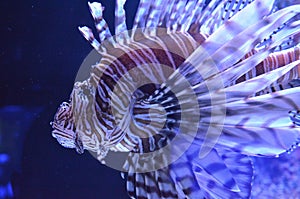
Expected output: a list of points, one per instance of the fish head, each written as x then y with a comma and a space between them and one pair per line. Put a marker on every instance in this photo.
64, 129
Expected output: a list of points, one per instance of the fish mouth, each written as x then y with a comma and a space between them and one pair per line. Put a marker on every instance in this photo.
62, 124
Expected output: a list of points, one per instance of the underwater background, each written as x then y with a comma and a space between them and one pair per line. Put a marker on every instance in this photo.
40, 53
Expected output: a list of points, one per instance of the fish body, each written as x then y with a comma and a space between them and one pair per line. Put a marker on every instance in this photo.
188, 94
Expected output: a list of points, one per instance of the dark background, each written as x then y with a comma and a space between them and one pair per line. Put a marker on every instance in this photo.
40, 53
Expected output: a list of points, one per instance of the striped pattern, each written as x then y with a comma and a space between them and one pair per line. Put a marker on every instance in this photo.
237, 57
295, 117
223, 12
223, 174
272, 62
96, 10
236, 167
64, 129
145, 52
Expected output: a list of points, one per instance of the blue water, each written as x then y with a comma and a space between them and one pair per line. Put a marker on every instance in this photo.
40, 53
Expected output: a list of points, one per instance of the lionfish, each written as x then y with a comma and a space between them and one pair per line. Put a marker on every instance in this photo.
188, 95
